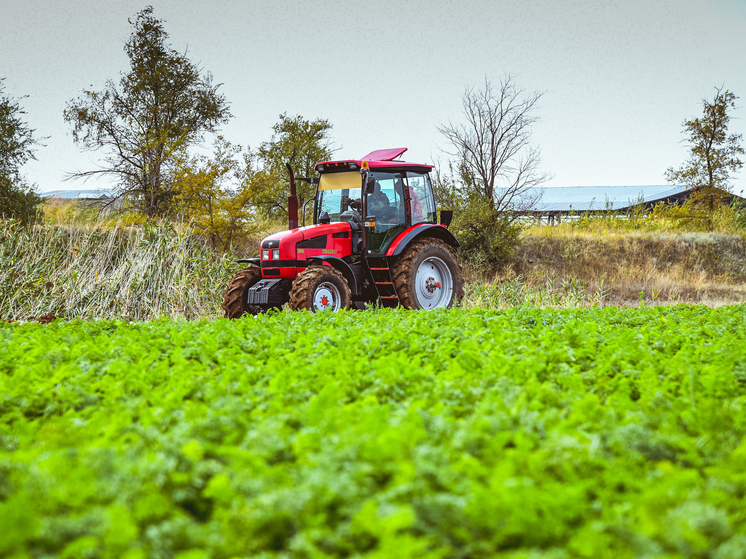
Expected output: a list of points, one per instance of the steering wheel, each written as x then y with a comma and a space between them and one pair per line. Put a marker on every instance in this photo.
387, 213
378, 205
351, 214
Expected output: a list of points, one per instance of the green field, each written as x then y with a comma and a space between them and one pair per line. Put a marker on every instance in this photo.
461, 434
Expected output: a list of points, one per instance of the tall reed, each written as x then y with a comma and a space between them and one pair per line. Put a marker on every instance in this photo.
108, 272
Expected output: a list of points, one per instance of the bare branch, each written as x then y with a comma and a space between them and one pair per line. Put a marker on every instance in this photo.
493, 147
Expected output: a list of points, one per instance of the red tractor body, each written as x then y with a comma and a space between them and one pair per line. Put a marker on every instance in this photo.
293, 259
375, 238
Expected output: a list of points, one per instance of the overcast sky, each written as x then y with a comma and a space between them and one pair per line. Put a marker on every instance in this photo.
618, 77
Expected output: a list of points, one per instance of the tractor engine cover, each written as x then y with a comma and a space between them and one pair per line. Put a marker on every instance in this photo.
269, 293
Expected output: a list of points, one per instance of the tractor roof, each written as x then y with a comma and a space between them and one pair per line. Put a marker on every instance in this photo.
379, 159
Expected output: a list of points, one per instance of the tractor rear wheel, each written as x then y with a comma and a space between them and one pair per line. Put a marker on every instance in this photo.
320, 288
237, 290
428, 276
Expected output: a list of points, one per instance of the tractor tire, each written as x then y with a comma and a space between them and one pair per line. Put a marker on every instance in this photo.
428, 276
236, 292
320, 288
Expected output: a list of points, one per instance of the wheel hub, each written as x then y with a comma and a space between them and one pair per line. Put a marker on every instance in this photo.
431, 284
326, 297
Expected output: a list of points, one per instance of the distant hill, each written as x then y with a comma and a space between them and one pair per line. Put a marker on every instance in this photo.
84, 194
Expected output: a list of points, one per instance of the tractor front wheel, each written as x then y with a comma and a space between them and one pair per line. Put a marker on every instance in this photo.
237, 290
320, 288
428, 276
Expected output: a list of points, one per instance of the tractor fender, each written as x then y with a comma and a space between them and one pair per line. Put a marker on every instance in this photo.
420, 231
337, 263
254, 261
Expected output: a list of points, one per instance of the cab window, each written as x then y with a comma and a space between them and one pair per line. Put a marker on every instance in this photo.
422, 205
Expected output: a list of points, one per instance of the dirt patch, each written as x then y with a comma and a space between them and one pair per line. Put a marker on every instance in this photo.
46, 318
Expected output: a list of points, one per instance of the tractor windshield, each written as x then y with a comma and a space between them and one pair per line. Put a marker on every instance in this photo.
339, 196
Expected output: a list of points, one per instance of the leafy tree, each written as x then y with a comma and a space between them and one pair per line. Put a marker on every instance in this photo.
18, 200
227, 195
714, 155
297, 141
161, 106
17, 146
216, 195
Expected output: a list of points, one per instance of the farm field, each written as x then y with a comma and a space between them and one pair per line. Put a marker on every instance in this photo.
522, 433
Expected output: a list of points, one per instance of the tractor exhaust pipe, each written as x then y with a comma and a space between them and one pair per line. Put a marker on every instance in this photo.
292, 201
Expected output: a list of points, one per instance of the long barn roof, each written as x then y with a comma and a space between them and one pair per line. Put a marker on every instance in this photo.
584, 198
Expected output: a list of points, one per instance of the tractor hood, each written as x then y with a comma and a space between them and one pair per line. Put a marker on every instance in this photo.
285, 240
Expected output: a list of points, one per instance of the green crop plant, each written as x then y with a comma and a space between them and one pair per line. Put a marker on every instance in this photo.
451, 434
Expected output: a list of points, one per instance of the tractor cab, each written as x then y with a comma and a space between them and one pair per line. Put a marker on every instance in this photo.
375, 239
377, 195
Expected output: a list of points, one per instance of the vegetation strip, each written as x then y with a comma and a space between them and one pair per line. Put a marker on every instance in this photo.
560, 433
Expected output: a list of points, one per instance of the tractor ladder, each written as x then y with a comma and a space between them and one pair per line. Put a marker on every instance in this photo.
383, 280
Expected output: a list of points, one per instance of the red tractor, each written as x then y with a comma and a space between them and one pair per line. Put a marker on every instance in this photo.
375, 238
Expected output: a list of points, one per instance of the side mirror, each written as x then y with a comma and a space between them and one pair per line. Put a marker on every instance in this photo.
370, 185
446, 216
324, 218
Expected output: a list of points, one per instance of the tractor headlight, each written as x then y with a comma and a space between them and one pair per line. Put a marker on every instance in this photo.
265, 255
276, 254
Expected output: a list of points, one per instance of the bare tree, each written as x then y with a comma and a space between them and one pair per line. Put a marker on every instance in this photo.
494, 156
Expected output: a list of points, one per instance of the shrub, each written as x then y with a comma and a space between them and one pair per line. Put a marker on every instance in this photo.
691, 216
739, 214
17, 200
488, 238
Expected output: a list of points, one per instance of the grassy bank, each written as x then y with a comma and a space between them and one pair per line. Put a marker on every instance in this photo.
567, 266
81, 265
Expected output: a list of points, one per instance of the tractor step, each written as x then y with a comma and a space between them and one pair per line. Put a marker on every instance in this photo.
383, 280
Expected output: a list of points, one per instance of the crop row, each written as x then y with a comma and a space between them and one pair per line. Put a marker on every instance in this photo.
463, 434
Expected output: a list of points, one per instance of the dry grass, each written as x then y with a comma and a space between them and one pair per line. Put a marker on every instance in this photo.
79, 262
567, 267
115, 271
